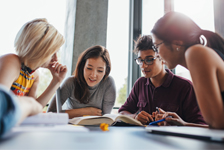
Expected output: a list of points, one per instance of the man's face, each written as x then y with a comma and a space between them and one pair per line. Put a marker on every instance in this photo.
154, 66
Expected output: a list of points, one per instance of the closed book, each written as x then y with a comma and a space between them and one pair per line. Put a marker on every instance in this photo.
47, 119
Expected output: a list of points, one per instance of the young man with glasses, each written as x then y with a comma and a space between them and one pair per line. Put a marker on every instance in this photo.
159, 88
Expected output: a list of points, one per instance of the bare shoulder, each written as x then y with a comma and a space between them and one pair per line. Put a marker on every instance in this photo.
10, 68
10, 58
198, 50
10, 61
198, 54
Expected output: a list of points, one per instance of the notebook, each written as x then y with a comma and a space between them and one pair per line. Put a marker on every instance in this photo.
190, 132
49, 118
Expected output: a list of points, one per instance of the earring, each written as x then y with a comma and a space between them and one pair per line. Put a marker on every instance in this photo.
177, 49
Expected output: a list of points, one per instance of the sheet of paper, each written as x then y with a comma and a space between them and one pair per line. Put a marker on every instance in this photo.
36, 128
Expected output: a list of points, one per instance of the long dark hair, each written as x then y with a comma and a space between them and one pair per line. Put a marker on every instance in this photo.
177, 26
81, 87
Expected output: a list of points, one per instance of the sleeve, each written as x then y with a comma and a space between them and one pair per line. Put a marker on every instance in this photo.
191, 110
131, 103
65, 91
10, 112
109, 96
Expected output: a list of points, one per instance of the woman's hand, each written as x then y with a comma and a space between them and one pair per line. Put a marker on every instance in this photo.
29, 107
58, 71
144, 117
87, 111
175, 120
158, 115
94, 111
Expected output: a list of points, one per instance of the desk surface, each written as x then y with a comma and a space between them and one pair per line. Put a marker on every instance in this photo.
117, 138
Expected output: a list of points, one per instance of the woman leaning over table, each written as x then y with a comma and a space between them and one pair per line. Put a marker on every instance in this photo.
178, 40
90, 91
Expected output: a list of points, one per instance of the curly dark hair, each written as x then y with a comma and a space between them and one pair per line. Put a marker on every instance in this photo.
143, 43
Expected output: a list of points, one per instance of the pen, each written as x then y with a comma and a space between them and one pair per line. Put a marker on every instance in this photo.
157, 109
137, 113
155, 122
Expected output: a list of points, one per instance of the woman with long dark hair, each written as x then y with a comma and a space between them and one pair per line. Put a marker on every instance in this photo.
179, 40
90, 91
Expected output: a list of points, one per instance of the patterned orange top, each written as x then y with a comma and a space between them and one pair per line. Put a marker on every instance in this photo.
22, 85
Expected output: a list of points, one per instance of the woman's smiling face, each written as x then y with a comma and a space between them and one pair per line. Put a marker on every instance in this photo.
94, 71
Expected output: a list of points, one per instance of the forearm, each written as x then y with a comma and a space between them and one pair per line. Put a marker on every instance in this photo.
28, 107
44, 98
127, 113
77, 112
195, 125
25, 110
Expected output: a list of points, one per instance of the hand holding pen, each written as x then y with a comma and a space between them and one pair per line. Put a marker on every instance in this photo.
173, 120
160, 117
144, 117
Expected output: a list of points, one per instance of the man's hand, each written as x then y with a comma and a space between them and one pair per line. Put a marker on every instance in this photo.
173, 120
144, 117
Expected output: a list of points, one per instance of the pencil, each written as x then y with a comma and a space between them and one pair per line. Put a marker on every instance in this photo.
136, 114
157, 109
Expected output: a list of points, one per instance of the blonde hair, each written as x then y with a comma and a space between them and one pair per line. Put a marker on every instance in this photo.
36, 42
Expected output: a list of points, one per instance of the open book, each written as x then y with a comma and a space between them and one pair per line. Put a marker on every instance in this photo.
107, 118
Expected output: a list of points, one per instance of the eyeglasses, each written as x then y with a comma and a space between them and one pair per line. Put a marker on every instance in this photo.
147, 60
155, 47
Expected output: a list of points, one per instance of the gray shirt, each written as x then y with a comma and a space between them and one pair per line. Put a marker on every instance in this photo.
102, 96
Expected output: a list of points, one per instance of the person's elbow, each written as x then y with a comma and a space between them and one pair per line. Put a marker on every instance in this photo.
217, 124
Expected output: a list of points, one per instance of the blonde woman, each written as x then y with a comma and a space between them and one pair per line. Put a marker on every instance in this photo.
36, 44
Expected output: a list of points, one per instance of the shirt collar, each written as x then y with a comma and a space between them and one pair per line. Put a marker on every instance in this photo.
167, 82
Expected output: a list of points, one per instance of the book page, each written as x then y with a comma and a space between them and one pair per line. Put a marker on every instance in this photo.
76, 120
107, 118
91, 120
112, 116
124, 118
129, 120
